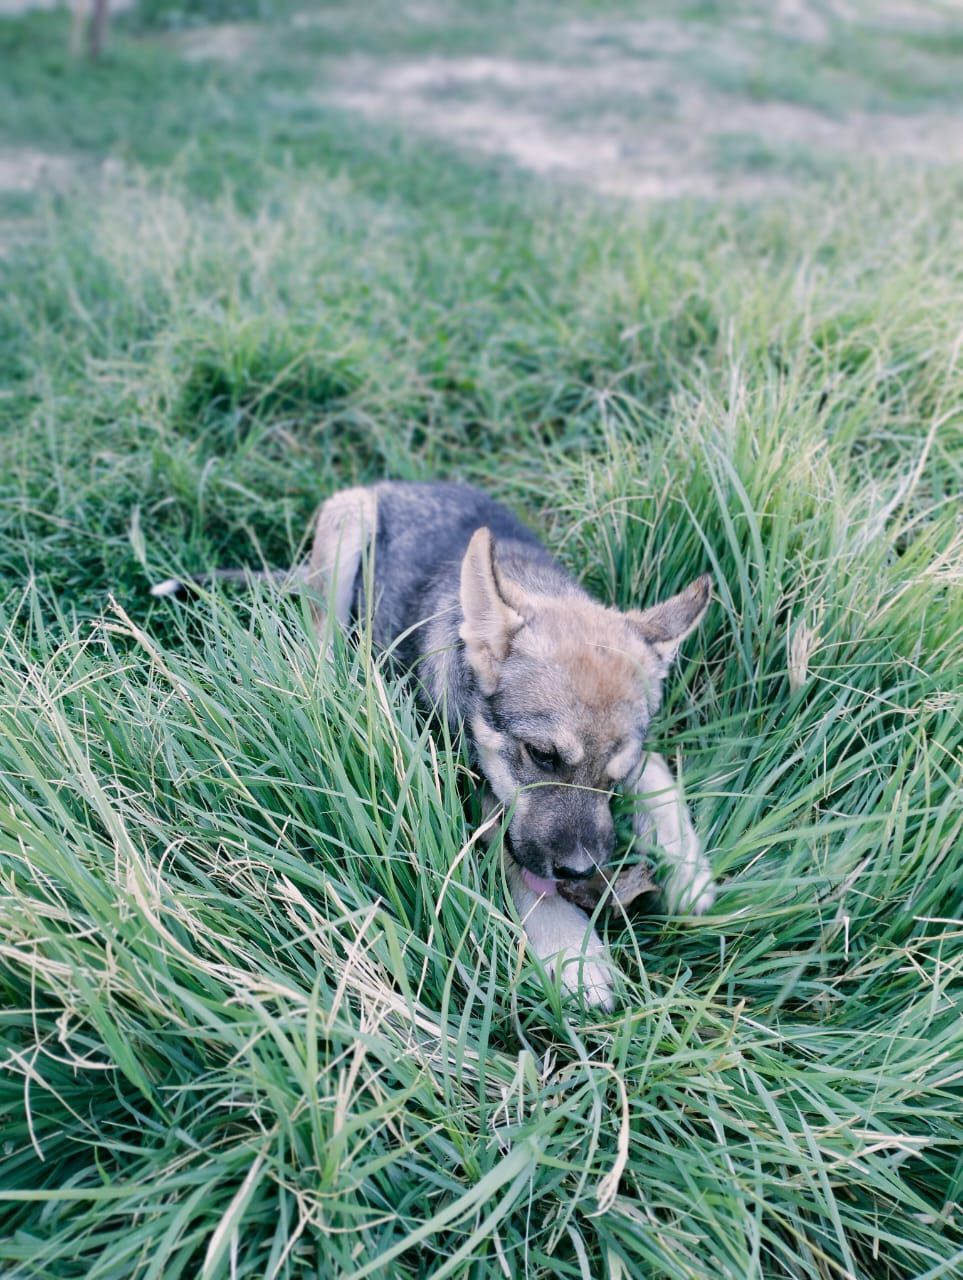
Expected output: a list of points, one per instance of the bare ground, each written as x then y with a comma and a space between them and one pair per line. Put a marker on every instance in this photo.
12, 7
615, 113
24, 169
220, 42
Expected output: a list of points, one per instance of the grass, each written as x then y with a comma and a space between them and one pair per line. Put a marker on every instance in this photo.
264, 1007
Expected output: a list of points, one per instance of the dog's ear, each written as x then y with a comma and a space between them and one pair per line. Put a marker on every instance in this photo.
666, 625
490, 620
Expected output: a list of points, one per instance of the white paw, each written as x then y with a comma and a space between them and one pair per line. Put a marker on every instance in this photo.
591, 975
563, 939
690, 890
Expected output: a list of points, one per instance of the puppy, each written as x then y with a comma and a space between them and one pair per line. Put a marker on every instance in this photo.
553, 690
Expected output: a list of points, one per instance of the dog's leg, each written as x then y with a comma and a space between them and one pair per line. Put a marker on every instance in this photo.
689, 885
347, 522
561, 936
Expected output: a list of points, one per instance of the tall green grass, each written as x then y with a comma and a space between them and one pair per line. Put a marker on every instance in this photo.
266, 1010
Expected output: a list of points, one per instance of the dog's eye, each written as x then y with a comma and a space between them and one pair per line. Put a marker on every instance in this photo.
547, 760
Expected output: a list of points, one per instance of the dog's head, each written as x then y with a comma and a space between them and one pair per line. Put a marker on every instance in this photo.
568, 688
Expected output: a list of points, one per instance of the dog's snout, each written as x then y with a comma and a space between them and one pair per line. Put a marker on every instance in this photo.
563, 872
580, 863
583, 847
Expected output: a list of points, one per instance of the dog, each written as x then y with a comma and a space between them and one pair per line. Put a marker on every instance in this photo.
554, 691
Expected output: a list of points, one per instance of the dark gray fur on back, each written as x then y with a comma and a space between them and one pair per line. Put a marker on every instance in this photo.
422, 535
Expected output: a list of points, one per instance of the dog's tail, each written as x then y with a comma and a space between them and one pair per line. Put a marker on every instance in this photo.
180, 586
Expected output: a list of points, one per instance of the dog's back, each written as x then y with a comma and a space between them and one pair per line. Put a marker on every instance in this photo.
422, 533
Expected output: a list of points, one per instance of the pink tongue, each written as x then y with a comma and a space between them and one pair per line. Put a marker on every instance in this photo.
537, 884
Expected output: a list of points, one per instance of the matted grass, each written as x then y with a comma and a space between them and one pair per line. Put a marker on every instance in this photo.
265, 1011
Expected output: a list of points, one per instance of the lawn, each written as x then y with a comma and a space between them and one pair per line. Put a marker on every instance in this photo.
265, 1008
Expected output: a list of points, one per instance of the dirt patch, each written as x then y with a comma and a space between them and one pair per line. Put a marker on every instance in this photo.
23, 169
8, 8
533, 141
644, 38
628, 123
802, 20
919, 16
224, 42
415, 13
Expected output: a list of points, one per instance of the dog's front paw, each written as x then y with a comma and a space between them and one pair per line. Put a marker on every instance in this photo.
565, 942
592, 976
690, 890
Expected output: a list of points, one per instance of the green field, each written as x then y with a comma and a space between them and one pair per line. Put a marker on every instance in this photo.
682, 284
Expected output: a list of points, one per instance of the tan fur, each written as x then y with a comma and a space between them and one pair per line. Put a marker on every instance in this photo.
346, 524
621, 763
585, 673
490, 622
667, 624
490, 745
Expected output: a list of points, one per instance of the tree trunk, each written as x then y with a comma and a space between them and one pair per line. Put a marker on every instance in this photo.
98, 28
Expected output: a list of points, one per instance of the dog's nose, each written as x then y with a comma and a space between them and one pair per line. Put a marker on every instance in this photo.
563, 872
